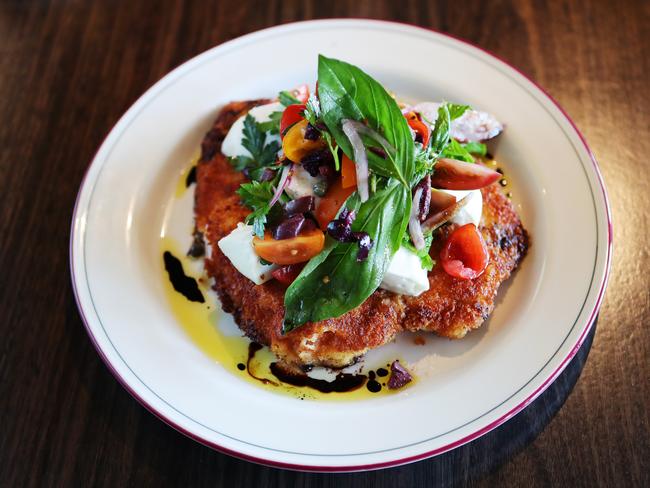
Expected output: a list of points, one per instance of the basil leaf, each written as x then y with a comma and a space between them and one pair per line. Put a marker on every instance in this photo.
477, 148
334, 282
346, 92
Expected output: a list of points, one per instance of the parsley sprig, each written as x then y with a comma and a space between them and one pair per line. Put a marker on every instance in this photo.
263, 153
256, 196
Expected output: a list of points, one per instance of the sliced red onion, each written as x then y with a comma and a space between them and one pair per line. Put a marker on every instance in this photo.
436, 220
415, 229
425, 200
362, 128
285, 178
360, 157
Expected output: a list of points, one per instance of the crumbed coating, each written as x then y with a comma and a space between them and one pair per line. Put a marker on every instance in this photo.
450, 308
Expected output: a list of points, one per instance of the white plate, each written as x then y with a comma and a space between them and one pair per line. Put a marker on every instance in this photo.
540, 321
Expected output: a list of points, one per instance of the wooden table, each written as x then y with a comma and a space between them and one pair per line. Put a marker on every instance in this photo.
69, 69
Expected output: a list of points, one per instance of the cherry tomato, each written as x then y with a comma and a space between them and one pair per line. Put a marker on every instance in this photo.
290, 251
291, 115
294, 144
331, 203
301, 93
419, 127
348, 173
465, 253
287, 274
458, 175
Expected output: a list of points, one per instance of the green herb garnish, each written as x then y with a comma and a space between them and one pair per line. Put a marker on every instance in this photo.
272, 126
477, 148
455, 150
262, 153
256, 196
286, 98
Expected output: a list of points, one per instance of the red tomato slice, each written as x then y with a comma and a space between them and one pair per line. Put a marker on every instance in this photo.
301, 93
291, 115
287, 274
458, 175
419, 127
465, 253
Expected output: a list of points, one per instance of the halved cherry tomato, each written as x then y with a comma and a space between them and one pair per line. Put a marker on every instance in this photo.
419, 127
465, 253
291, 115
458, 175
287, 274
294, 144
301, 93
331, 203
290, 251
348, 173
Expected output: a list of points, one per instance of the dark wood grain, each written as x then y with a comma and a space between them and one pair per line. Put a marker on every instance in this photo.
69, 69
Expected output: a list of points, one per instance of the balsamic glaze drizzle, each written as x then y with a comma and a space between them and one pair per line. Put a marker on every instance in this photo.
183, 284
191, 177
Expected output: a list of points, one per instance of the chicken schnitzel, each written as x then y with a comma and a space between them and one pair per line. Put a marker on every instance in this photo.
450, 307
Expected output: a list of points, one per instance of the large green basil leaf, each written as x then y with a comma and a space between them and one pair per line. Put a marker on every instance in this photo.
346, 92
333, 282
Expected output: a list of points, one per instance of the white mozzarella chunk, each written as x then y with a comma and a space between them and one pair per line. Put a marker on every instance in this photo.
301, 183
472, 210
238, 248
232, 144
405, 274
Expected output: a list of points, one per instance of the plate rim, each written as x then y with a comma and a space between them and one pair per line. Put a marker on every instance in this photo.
384, 464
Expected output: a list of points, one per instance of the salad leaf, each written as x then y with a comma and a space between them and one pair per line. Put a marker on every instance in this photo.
455, 150
477, 148
286, 98
334, 282
346, 92
440, 133
456, 110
